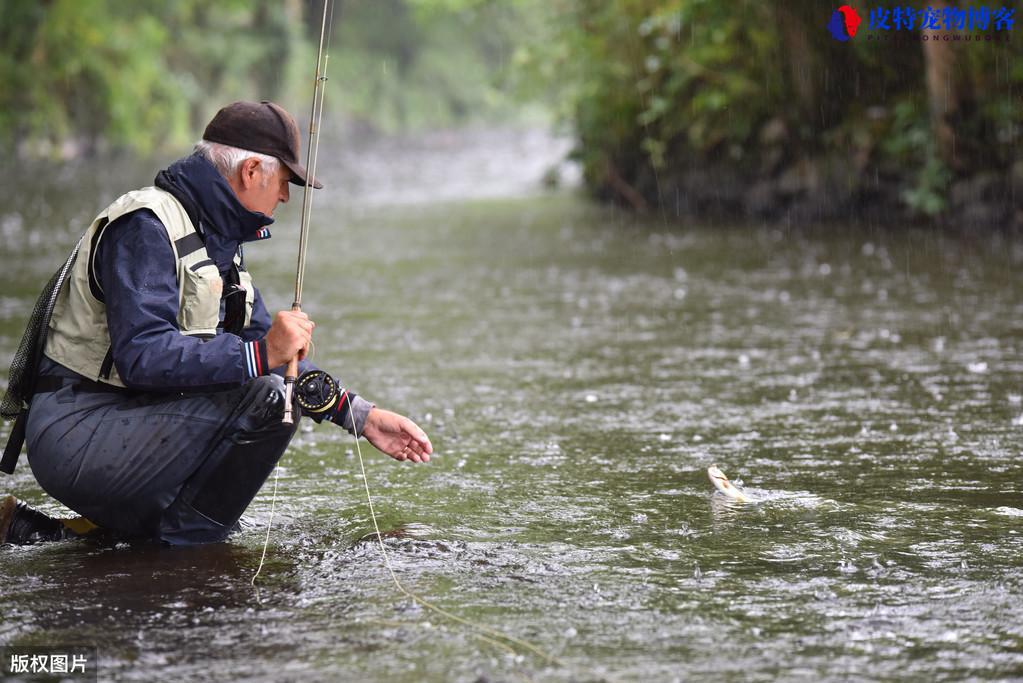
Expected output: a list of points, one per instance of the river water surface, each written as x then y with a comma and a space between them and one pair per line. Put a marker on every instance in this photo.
578, 371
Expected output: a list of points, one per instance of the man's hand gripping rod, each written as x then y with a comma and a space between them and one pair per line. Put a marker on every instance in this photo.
315, 117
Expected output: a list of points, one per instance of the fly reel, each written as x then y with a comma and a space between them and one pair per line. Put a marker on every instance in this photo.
317, 392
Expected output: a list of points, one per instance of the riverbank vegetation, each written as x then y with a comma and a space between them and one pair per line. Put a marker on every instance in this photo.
755, 109
679, 107
80, 78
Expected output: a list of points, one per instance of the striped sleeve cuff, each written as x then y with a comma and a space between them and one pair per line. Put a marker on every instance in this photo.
256, 364
343, 409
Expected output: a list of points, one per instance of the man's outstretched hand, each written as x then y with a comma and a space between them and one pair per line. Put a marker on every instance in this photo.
397, 436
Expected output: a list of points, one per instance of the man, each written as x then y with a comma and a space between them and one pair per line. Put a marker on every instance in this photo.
157, 412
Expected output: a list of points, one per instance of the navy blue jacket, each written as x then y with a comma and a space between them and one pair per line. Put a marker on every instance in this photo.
137, 273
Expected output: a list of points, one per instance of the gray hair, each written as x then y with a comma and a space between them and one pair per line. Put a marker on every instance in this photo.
228, 159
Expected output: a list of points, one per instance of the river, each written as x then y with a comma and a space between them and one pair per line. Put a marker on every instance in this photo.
578, 369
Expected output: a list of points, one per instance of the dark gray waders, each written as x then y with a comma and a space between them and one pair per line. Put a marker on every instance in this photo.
178, 467
214, 498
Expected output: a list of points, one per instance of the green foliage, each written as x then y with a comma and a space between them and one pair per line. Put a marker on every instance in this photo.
658, 81
414, 63
656, 87
927, 196
127, 74
652, 88
78, 75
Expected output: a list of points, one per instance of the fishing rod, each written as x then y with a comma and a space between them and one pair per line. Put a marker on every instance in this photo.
493, 636
315, 118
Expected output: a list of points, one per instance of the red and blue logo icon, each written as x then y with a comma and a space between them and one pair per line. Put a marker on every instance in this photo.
845, 21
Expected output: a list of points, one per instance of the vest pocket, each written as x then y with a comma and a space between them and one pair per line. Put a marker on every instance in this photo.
201, 289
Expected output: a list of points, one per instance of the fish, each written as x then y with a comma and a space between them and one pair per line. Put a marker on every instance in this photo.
721, 483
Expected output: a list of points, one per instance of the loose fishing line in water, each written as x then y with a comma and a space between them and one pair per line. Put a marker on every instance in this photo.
490, 635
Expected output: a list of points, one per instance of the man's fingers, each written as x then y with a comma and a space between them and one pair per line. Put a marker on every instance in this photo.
419, 437
297, 318
415, 456
417, 453
303, 326
293, 332
414, 451
423, 442
302, 337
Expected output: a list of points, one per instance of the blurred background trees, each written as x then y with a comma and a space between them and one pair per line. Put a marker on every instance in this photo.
682, 106
752, 108
82, 76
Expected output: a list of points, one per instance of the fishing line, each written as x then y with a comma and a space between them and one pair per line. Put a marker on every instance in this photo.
485, 633
485, 630
269, 524
315, 119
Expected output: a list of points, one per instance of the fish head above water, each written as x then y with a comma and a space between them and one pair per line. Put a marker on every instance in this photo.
721, 483
717, 476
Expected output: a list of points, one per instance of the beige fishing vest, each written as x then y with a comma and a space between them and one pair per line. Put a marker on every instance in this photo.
79, 338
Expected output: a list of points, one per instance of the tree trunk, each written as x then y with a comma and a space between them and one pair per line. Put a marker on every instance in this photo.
802, 58
820, 68
943, 93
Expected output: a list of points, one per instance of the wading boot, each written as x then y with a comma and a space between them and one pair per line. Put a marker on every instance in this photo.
21, 525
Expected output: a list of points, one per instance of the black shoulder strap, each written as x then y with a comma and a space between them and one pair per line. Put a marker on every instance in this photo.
14, 443
234, 302
94, 286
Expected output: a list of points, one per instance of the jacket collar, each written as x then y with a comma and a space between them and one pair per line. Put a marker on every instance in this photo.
213, 207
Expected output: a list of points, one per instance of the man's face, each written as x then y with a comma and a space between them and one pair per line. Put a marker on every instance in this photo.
260, 191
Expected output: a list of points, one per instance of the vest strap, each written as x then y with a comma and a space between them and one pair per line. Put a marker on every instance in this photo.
108, 363
17, 439
97, 291
48, 383
189, 244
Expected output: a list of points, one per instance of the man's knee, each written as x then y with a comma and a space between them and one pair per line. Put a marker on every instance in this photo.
213, 499
263, 402
269, 383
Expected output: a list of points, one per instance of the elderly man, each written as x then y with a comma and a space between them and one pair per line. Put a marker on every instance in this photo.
157, 411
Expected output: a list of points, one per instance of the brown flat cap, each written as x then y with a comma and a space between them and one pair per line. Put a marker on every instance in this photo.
263, 127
